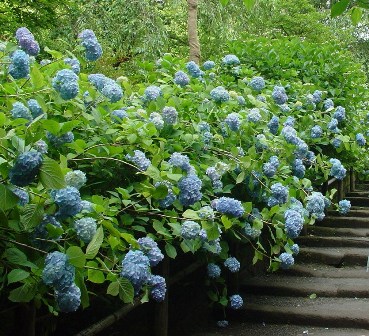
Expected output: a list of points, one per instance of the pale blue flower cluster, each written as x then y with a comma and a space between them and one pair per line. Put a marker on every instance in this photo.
68, 201
135, 268
157, 120
152, 92
23, 197
294, 248
169, 199
25, 169
181, 161
233, 121
273, 125
75, 178
293, 223
139, 159
298, 168
66, 84
27, 41
58, 272
235, 301
336, 142
74, 63
68, 299
296, 205
285, 108
230, 60
35, 108
158, 287
194, 70
85, 228
215, 177
41, 232
316, 132
228, 206
360, 140
190, 190
20, 111
232, 264
279, 195
328, 103
58, 141
251, 232
290, 121
214, 271
279, 95
208, 65
270, 167
241, 100
287, 260
337, 170
317, 96
190, 230
119, 115
257, 83
20, 65
261, 142
181, 78
222, 323
219, 94
87, 206
151, 249
344, 207
107, 87
170, 115
254, 115
93, 50
315, 205
261, 98
290, 134
340, 113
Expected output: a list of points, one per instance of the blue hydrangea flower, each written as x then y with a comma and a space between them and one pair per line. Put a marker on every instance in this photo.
315, 204
158, 287
228, 206
317, 96
208, 65
254, 115
151, 249
332, 126
20, 65
26, 167
97, 80
235, 301
119, 115
337, 170
290, 134
328, 103
241, 100
20, 111
214, 271
273, 125
222, 324
139, 159
170, 115
204, 126
327, 202
344, 207
360, 140
298, 168
74, 63
190, 230
295, 249
193, 69
152, 93
44, 62
135, 268
257, 83
230, 60
181, 78
316, 132
68, 299
58, 141
27, 41
85, 228
297, 206
206, 213
233, 121
340, 113
75, 178
112, 90
157, 120
232, 264
169, 199
336, 142
93, 50
261, 98
87, 206
181, 161
251, 232
301, 149
290, 121
35, 108
190, 190
66, 84
287, 260
219, 94
58, 272
214, 177
270, 167
285, 109
41, 232
293, 223
68, 200
22, 195
279, 194
279, 95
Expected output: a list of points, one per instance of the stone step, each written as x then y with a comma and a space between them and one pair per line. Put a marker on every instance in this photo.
344, 222
318, 241
285, 285
327, 271
339, 232
359, 201
326, 312
357, 193
362, 186
334, 256
354, 212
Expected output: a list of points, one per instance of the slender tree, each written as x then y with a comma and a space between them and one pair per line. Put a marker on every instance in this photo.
193, 38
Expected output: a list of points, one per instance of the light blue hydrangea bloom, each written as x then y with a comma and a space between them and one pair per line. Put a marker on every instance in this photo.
158, 287
139, 159
235, 301
68, 201
27, 41
75, 178
181, 78
190, 230
344, 207
220, 94
228, 206
66, 84
68, 299
232, 264
151, 249
214, 271
287, 260
85, 228
20, 65
190, 190
257, 83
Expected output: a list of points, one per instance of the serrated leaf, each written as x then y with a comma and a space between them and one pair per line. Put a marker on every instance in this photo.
240, 177
8, 199
339, 7
249, 4
170, 250
51, 175
190, 214
126, 291
95, 275
37, 78
113, 288
95, 243
31, 216
24, 293
356, 14
16, 275
76, 257
226, 222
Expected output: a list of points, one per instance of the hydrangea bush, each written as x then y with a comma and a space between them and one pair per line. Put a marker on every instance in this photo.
102, 179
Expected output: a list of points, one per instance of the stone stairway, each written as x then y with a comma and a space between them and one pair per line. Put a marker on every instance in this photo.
328, 288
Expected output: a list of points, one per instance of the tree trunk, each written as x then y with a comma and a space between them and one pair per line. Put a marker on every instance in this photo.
193, 38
